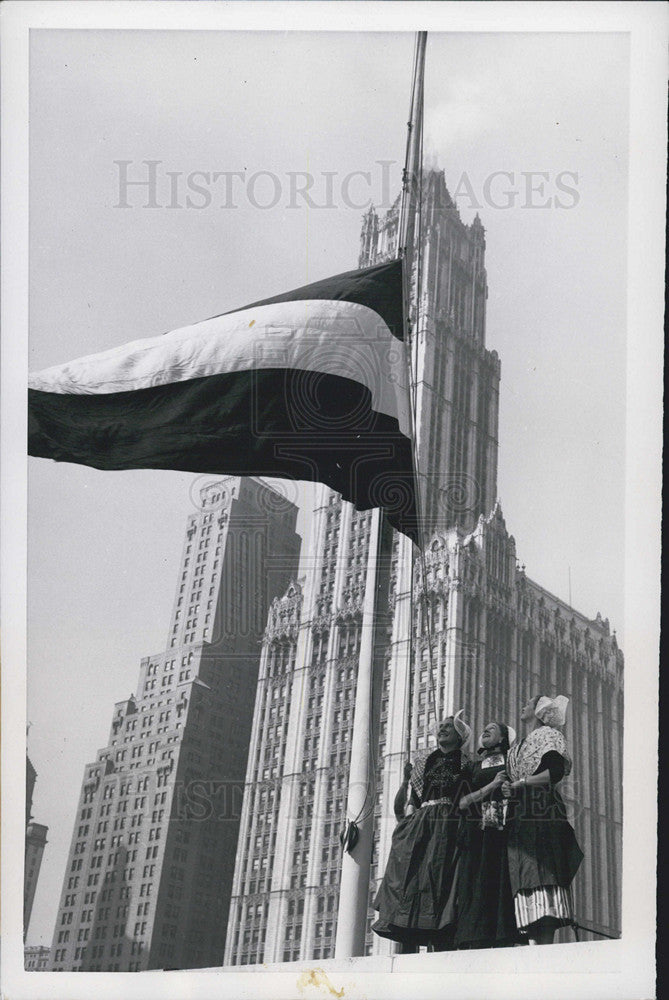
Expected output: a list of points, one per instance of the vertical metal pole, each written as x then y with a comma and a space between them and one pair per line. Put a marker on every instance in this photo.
413, 165
355, 869
406, 241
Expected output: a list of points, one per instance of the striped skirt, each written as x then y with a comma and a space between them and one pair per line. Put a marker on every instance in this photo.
552, 902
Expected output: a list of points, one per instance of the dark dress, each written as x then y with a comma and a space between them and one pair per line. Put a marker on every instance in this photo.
416, 897
544, 854
485, 916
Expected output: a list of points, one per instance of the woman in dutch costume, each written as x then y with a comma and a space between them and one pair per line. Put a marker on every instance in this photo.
416, 899
485, 913
544, 855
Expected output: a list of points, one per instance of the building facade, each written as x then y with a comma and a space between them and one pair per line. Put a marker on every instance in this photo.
286, 881
494, 638
36, 957
148, 877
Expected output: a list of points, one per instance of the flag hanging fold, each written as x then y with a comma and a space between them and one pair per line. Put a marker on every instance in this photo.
309, 385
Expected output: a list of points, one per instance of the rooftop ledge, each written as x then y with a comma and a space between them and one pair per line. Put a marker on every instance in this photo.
365, 977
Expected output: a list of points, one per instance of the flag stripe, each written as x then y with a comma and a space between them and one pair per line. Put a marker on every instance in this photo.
379, 288
333, 337
277, 422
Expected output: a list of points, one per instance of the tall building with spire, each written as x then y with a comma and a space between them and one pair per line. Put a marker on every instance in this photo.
456, 377
494, 636
149, 872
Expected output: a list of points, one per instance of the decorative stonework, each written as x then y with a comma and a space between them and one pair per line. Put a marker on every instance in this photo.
352, 604
322, 623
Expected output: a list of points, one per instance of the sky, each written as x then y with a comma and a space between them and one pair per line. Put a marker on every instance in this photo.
517, 121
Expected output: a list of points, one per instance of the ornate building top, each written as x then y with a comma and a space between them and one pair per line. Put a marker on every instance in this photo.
283, 620
483, 564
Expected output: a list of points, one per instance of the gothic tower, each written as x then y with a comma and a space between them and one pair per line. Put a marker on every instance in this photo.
457, 379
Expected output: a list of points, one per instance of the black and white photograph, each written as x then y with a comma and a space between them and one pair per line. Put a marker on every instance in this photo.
332, 421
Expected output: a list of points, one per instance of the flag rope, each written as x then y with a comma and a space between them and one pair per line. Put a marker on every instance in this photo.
406, 289
423, 538
410, 238
410, 208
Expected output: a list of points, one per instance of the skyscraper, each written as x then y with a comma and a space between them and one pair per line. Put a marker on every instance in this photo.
456, 377
147, 883
494, 636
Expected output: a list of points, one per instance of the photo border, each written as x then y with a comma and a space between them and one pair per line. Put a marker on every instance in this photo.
606, 969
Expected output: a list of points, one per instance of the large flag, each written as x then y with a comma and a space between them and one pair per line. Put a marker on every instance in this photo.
309, 385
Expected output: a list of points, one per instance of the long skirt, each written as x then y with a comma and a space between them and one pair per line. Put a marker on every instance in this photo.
485, 913
544, 857
543, 852
416, 899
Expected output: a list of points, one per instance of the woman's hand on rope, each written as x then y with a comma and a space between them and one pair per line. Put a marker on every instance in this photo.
492, 786
507, 790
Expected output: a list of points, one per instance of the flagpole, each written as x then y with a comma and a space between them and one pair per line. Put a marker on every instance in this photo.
356, 860
412, 166
406, 232
358, 833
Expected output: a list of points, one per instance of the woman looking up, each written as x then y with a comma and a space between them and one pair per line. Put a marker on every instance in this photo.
416, 897
485, 915
544, 855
